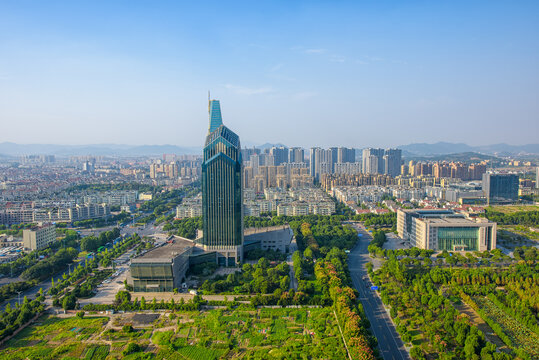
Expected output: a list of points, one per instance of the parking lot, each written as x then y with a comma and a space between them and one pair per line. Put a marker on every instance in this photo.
395, 243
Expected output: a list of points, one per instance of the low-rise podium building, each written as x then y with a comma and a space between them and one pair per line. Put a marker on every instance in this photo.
163, 268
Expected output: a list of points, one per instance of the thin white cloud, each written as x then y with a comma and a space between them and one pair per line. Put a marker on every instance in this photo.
315, 51
337, 58
242, 90
305, 95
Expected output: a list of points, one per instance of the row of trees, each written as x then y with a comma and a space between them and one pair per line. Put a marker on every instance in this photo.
421, 300
123, 302
92, 243
102, 222
529, 218
112, 186
331, 274
13, 318
85, 278
52, 265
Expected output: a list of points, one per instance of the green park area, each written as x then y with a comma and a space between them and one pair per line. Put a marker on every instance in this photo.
510, 209
242, 333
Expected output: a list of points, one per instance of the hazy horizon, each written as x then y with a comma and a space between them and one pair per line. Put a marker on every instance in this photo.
302, 74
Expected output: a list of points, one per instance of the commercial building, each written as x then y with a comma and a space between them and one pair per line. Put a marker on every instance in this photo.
222, 207
276, 238
39, 237
163, 268
10, 241
500, 188
445, 230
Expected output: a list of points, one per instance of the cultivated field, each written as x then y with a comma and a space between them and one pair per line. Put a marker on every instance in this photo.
231, 334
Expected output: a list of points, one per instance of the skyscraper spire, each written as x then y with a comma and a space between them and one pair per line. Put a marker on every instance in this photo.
222, 206
215, 115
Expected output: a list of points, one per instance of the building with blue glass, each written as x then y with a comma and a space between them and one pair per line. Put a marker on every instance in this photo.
222, 205
500, 188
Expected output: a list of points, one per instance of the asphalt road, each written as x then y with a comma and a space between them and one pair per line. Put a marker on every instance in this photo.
389, 342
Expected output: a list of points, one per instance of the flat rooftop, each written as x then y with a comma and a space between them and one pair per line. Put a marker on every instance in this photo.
455, 221
166, 252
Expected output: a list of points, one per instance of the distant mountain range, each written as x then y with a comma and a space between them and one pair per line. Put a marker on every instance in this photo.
442, 148
411, 150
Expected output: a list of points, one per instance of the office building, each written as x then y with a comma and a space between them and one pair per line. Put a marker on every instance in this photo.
161, 269
445, 230
500, 188
39, 237
222, 191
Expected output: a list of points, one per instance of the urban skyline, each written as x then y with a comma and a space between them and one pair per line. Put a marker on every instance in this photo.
294, 67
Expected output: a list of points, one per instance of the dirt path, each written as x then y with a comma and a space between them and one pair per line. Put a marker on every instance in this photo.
482, 325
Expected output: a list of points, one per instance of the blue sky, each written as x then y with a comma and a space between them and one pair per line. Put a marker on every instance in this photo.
326, 73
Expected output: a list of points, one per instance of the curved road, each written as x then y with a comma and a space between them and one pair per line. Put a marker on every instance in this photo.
389, 342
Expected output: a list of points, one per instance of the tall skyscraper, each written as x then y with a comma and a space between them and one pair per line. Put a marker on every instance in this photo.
392, 162
222, 205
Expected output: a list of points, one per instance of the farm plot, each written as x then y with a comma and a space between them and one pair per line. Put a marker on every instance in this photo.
53, 338
520, 336
215, 334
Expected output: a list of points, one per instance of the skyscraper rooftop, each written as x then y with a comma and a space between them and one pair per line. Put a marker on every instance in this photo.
215, 115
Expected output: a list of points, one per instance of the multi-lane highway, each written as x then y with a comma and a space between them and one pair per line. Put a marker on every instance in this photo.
389, 342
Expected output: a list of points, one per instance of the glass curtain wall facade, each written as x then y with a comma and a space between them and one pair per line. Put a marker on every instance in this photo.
500, 188
458, 239
222, 206
152, 277
215, 115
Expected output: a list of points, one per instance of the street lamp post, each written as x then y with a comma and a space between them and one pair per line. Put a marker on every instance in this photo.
19, 297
